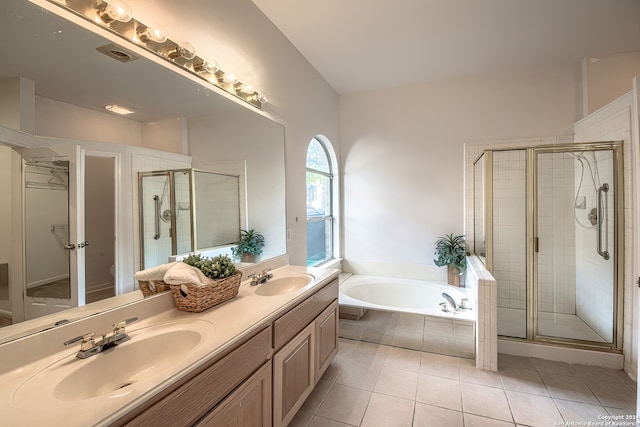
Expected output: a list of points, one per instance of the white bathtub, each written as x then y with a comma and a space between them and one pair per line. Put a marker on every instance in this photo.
405, 295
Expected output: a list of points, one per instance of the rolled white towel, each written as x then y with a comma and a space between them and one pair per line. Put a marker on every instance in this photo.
153, 273
184, 273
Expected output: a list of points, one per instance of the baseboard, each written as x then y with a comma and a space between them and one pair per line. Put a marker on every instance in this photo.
561, 354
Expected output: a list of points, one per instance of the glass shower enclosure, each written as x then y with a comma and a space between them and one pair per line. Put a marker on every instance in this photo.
553, 228
186, 210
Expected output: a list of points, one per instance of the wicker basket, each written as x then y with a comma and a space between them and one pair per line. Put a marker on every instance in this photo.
196, 298
152, 287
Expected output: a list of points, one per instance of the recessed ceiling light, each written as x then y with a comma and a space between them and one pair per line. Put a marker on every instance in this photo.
119, 109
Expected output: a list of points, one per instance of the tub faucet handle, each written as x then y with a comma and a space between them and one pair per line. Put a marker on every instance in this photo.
463, 303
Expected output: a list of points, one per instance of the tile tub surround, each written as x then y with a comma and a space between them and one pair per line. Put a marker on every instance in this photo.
452, 337
378, 385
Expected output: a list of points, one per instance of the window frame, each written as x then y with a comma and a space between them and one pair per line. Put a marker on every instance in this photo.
330, 217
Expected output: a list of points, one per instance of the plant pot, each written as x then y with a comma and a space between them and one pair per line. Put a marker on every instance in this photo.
453, 276
248, 258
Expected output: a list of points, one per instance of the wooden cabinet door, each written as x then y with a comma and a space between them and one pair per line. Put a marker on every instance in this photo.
248, 406
326, 338
293, 375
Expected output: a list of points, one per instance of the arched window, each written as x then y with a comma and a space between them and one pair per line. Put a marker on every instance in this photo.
320, 202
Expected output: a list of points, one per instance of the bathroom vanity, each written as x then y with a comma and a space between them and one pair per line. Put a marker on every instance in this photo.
255, 361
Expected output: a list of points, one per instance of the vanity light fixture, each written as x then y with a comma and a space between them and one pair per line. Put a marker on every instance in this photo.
112, 13
119, 109
115, 10
153, 34
183, 50
206, 66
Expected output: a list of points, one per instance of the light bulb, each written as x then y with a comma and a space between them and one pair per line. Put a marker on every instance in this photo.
263, 97
207, 65
153, 34
230, 78
184, 50
115, 10
248, 89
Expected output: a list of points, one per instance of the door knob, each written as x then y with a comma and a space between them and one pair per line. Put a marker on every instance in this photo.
69, 247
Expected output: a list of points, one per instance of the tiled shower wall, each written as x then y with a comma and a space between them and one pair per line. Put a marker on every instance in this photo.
509, 227
556, 234
594, 292
613, 123
142, 162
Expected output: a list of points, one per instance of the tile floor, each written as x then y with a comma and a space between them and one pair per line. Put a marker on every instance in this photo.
378, 385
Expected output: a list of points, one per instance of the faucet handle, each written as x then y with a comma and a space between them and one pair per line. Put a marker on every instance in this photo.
88, 341
119, 328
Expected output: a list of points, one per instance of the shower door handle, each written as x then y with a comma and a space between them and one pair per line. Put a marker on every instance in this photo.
603, 189
156, 204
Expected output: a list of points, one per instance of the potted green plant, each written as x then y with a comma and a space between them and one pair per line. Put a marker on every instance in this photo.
249, 247
452, 251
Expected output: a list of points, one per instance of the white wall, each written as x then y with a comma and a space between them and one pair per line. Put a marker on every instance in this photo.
403, 162
613, 123
608, 78
66, 121
243, 40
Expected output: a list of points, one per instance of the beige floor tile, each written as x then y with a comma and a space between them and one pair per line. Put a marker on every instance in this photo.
369, 352
438, 391
470, 374
407, 339
427, 416
362, 375
388, 411
346, 347
613, 395
533, 410
600, 373
568, 388
344, 404
471, 420
331, 374
622, 412
440, 366
523, 380
552, 366
485, 401
508, 361
401, 358
580, 412
398, 383
301, 419
316, 397
325, 422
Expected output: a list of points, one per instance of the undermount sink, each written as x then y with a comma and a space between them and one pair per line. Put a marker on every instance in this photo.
160, 350
284, 285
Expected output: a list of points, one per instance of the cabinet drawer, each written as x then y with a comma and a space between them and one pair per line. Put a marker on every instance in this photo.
291, 323
189, 402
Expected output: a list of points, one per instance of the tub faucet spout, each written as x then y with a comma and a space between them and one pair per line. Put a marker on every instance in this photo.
450, 300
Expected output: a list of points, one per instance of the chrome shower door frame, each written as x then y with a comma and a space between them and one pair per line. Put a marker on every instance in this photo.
533, 333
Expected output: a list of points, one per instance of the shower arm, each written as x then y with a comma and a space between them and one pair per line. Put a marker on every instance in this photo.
603, 189
156, 202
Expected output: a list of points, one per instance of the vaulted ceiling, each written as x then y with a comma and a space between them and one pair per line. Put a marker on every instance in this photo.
363, 45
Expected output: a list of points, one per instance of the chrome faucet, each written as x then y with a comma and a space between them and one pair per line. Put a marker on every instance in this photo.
451, 306
262, 277
90, 346
450, 300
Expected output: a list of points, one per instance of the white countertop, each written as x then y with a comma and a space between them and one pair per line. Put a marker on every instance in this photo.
233, 320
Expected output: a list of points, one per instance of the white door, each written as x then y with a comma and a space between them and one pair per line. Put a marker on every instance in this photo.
54, 245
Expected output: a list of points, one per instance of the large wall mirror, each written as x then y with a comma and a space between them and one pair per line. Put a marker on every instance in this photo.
70, 75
